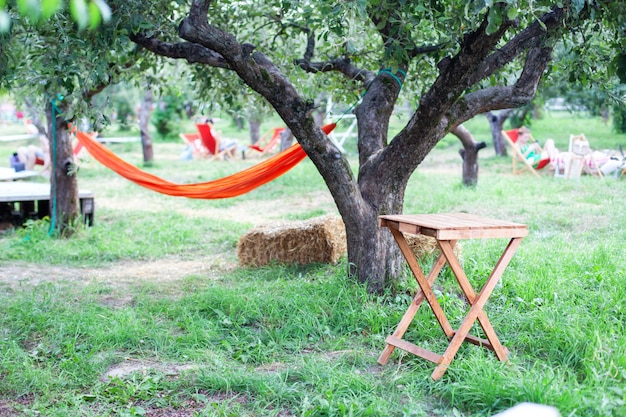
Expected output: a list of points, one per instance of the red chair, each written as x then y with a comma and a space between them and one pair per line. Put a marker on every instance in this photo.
205, 144
511, 136
271, 143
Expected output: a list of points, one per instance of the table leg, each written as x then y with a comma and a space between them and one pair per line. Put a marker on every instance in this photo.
492, 341
425, 292
476, 309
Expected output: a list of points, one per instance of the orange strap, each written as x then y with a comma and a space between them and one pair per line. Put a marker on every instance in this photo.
230, 186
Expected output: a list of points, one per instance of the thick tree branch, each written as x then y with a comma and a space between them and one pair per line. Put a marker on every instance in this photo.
530, 37
453, 80
191, 52
260, 74
342, 65
421, 50
254, 68
428, 124
504, 97
200, 8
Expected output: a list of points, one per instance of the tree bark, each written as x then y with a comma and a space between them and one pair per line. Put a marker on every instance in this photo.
496, 121
144, 122
469, 154
286, 139
255, 130
64, 198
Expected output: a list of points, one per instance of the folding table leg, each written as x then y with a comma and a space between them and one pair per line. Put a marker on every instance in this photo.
492, 341
425, 292
410, 312
476, 309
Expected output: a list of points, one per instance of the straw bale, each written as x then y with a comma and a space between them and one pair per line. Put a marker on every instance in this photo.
322, 239
422, 245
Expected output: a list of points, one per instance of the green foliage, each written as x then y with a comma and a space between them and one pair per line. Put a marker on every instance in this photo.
86, 13
619, 118
167, 116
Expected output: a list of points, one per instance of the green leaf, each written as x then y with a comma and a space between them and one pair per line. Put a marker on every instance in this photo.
49, 7
578, 5
512, 13
494, 19
94, 16
5, 21
80, 13
29, 8
105, 10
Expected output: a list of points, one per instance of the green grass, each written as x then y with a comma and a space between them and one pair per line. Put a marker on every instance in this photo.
285, 340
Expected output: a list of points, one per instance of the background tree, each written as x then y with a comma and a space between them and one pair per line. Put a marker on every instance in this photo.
65, 68
145, 110
469, 154
496, 121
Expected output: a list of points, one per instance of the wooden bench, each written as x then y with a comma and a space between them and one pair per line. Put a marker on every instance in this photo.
20, 201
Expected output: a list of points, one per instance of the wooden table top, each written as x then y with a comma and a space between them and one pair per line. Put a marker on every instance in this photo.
454, 226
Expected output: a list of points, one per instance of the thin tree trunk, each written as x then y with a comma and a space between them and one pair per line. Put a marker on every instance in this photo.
64, 199
144, 122
286, 139
496, 121
469, 154
255, 130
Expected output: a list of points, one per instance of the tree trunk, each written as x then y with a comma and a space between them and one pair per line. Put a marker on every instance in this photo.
469, 154
144, 122
373, 256
239, 122
286, 139
496, 121
64, 200
255, 130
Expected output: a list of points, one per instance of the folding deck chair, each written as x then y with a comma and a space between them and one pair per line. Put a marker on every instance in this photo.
511, 136
204, 144
270, 144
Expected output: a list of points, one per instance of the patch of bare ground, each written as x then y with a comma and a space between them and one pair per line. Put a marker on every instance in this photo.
9, 407
131, 366
6, 410
121, 275
249, 210
192, 407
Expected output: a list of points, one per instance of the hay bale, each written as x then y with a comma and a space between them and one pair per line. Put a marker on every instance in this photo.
322, 239
422, 245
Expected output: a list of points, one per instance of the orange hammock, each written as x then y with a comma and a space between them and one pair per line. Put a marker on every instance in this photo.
230, 186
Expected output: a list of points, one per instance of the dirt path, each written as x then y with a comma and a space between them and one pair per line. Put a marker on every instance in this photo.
121, 275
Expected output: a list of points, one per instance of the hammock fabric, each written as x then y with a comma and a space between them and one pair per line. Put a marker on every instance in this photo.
230, 186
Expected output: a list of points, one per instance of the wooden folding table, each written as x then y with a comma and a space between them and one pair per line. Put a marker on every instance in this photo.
447, 229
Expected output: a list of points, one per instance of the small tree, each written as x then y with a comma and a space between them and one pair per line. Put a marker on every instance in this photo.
61, 77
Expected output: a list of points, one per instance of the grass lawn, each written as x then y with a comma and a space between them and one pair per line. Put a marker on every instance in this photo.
149, 314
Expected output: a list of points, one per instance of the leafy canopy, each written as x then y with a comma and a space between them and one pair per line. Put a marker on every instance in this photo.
86, 13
